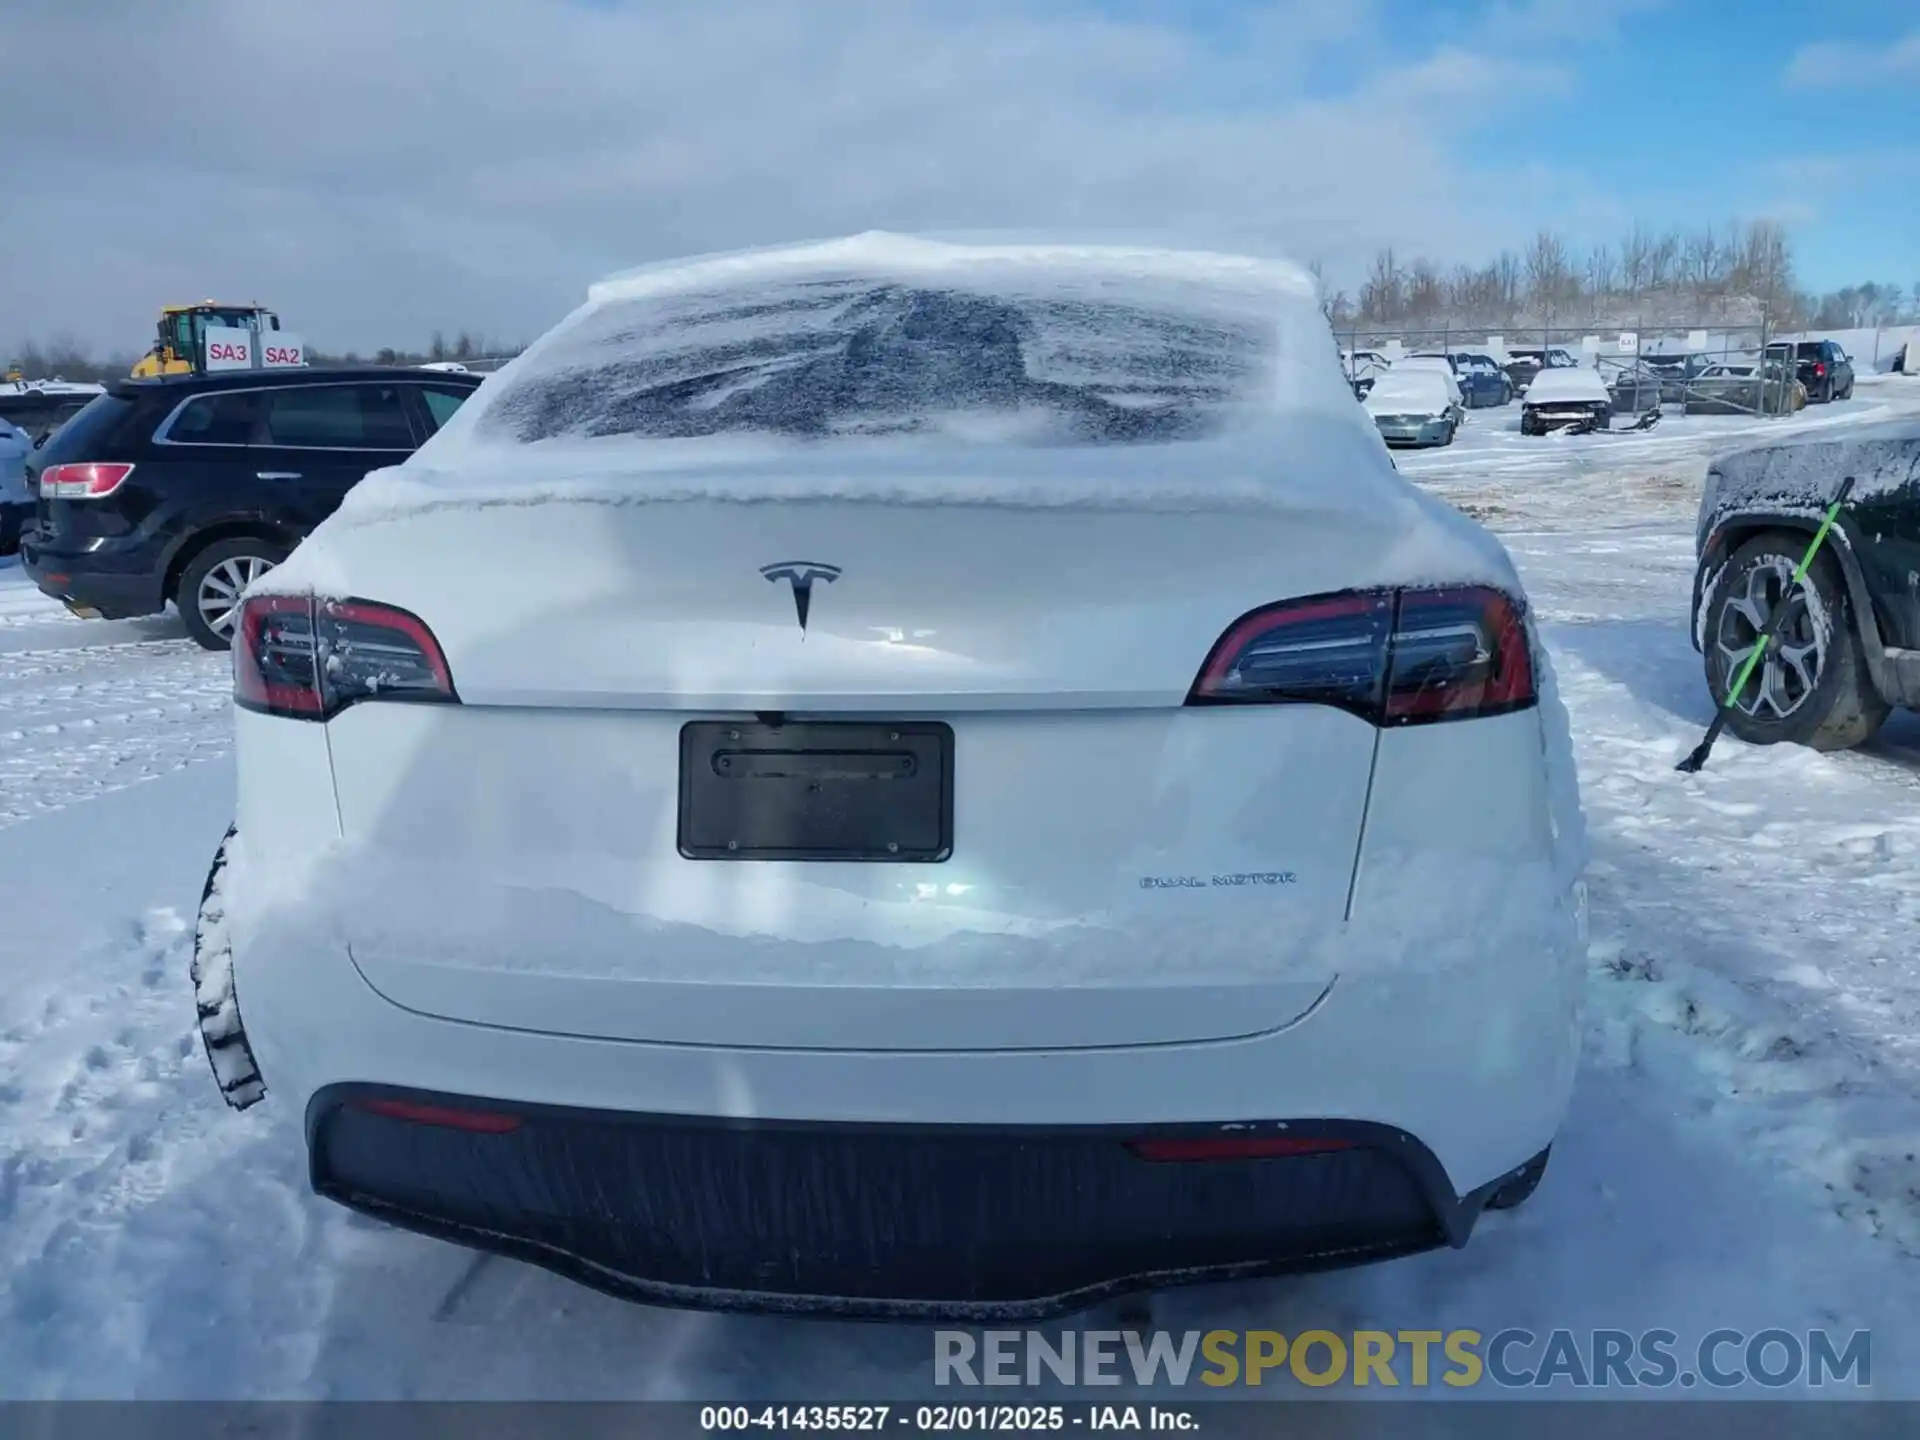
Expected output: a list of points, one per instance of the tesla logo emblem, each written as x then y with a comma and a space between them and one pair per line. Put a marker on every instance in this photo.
801, 574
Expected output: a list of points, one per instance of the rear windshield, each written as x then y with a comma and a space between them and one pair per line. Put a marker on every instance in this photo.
828, 358
80, 437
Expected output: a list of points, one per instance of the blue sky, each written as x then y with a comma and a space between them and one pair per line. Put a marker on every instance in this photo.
1667, 111
475, 164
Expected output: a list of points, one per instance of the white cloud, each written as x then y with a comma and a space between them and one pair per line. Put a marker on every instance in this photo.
378, 170
1830, 64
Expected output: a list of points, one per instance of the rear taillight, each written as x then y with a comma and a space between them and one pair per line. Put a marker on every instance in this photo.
1392, 657
447, 1117
309, 659
1819, 370
93, 481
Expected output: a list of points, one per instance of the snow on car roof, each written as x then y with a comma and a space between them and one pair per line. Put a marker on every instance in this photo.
1566, 383
1401, 388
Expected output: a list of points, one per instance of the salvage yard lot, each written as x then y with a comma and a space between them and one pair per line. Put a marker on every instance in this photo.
1741, 1149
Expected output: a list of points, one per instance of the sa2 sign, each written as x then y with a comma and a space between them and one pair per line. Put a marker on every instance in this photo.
283, 355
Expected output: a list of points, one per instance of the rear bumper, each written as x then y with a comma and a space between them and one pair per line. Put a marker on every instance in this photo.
880, 1220
983, 1182
1432, 433
115, 584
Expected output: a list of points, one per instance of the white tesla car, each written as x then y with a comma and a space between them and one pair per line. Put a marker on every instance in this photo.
905, 779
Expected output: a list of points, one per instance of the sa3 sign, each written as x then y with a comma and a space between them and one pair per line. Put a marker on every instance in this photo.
229, 348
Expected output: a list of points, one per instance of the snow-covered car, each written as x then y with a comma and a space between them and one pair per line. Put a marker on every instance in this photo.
1569, 398
1848, 651
1412, 407
1442, 366
980, 787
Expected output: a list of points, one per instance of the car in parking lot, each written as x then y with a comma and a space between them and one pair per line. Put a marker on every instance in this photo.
1481, 381
1525, 362
1633, 387
1675, 373
1848, 652
187, 488
1822, 366
767, 895
1744, 388
1412, 407
1363, 367
1442, 366
1575, 400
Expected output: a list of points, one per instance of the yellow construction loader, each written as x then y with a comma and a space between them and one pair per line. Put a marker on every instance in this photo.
180, 347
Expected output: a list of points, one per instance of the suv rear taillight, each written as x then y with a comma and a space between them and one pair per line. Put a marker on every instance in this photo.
93, 481
1819, 369
310, 659
1392, 657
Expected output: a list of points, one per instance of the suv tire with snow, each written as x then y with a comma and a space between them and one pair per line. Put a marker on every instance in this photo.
218, 1011
216, 575
1814, 689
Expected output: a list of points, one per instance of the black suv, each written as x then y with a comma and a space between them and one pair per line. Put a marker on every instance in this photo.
1850, 651
187, 488
1823, 367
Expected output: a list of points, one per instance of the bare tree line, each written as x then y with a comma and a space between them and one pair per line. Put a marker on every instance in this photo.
1740, 273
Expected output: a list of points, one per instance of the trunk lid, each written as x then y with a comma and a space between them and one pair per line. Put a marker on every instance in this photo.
1124, 869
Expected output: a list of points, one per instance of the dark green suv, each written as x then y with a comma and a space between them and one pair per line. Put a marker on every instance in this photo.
1850, 651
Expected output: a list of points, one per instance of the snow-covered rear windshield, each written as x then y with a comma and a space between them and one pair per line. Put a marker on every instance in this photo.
822, 358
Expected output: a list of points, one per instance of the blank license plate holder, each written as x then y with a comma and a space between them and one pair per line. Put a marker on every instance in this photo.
826, 790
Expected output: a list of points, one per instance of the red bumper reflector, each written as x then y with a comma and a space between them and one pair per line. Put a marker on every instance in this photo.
479, 1122
1233, 1147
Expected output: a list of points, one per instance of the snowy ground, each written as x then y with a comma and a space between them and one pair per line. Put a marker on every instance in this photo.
1741, 1151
